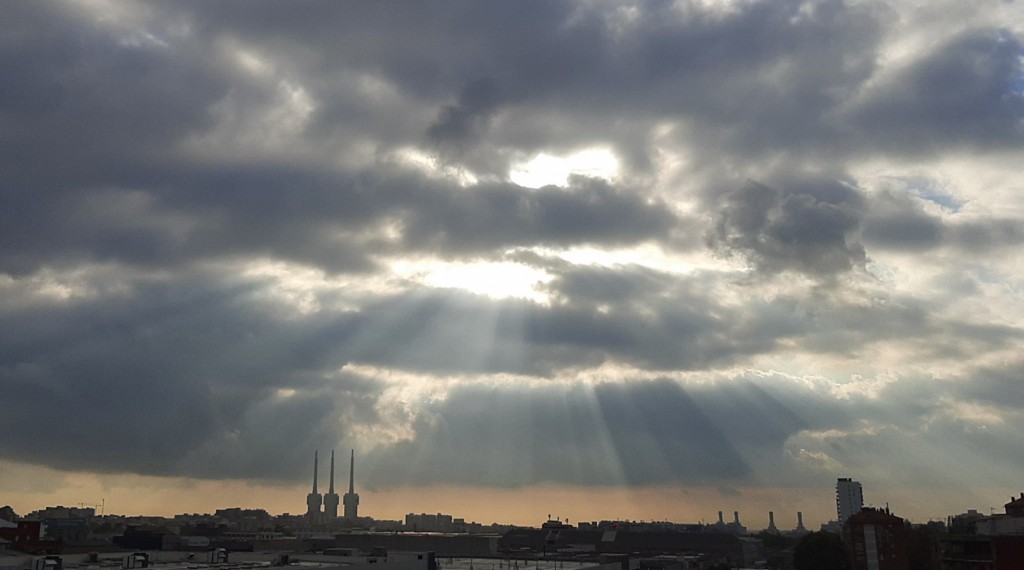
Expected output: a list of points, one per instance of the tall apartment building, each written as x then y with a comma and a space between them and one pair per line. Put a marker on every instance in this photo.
849, 498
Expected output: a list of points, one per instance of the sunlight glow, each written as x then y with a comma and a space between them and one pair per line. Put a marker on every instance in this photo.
545, 169
412, 157
306, 290
495, 279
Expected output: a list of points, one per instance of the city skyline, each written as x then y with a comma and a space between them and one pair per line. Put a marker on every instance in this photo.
649, 506
650, 260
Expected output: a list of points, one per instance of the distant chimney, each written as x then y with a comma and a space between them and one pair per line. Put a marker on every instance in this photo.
720, 519
799, 519
736, 517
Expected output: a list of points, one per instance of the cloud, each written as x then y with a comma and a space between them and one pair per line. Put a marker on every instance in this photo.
966, 92
460, 125
611, 434
810, 227
805, 257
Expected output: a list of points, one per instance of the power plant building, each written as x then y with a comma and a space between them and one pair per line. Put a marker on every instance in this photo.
331, 498
351, 499
314, 500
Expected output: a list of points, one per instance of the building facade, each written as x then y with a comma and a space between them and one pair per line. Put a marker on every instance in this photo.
876, 540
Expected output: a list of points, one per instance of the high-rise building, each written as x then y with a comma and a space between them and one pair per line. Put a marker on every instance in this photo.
849, 498
331, 498
351, 499
314, 499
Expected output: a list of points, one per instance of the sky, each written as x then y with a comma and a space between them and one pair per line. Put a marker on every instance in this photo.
587, 259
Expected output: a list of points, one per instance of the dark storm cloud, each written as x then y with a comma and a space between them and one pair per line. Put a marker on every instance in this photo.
760, 77
220, 365
898, 221
926, 421
610, 434
966, 92
94, 171
502, 216
137, 146
996, 386
462, 124
808, 226
317, 219
147, 381
99, 137
648, 319
664, 432
78, 105
824, 227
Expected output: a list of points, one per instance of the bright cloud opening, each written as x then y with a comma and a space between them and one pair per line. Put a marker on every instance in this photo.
495, 279
545, 169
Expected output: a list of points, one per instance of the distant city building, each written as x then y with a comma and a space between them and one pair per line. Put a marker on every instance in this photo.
831, 526
554, 524
1012, 522
351, 499
876, 540
331, 498
62, 512
238, 513
964, 522
849, 498
429, 522
997, 545
314, 499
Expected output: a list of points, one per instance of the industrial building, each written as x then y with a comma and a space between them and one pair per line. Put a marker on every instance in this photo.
329, 501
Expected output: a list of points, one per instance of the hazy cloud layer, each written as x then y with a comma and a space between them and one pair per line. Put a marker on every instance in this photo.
709, 243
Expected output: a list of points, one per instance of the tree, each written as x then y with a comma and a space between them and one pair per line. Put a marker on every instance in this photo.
820, 551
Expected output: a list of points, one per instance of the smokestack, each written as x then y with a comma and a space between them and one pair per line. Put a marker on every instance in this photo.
799, 519
720, 519
332, 472
771, 518
352, 473
736, 517
315, 465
